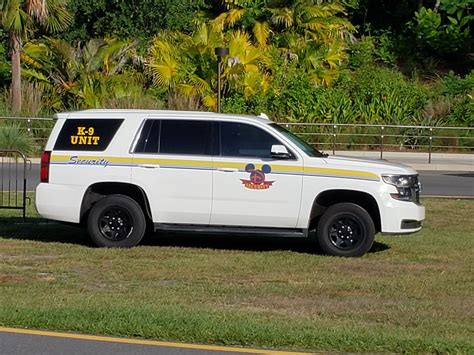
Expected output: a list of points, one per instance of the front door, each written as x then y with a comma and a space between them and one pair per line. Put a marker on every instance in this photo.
249, 187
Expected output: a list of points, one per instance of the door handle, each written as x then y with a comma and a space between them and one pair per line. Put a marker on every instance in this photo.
228, 170
148, 166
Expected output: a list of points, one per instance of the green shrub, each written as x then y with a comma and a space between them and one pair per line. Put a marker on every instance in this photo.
384, 96
453, 85
12, 136
385, 48
334, 105
459, 93
290, 97
362, 52
463, 110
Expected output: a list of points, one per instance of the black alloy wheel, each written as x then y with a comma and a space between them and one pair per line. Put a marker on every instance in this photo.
345, 229
346, 232
116, 221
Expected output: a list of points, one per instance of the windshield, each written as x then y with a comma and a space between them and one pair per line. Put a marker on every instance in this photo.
308, 149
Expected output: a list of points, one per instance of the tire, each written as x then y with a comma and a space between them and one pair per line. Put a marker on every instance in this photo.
345, 229
116, 221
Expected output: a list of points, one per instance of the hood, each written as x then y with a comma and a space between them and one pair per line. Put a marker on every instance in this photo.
378, 166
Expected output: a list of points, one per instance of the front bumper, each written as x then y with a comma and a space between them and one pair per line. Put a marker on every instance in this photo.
401, 217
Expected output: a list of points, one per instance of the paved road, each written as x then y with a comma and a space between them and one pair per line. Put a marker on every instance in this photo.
437, 183
446, 183
20, 341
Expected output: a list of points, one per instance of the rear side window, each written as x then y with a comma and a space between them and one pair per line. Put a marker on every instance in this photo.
187, 137
87, 134
149, 138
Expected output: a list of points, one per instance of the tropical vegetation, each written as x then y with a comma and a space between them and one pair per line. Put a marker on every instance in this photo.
335, 61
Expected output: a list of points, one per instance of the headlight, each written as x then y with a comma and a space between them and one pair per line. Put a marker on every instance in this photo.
407, 185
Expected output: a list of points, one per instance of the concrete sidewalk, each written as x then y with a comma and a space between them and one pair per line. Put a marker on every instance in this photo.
419, 161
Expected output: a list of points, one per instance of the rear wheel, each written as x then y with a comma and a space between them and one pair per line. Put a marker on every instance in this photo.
346, 229
116, 221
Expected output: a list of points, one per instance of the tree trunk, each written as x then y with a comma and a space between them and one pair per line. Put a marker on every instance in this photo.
16, 73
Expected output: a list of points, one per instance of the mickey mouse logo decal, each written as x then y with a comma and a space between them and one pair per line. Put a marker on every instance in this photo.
257, 177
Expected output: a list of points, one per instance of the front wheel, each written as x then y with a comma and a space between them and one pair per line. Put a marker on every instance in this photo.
116, 221
346, 229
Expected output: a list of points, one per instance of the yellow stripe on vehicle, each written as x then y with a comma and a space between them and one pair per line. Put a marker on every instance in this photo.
186, 163
341, 172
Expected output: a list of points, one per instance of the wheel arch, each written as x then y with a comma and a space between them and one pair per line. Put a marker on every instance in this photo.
101, 189
327, 198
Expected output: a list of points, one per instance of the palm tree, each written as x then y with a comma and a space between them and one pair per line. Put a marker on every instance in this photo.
19, 18
85, 73
186, 64
310, 32
313, 19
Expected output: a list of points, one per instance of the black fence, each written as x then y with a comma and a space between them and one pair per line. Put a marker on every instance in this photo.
13, 174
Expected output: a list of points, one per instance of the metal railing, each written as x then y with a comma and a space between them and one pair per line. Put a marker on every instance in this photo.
37, 128
385, 138
327, 136
13, 175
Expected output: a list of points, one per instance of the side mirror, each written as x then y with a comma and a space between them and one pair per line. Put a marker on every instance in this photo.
280, 152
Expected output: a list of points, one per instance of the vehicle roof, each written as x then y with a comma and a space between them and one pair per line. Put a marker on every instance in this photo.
138, 114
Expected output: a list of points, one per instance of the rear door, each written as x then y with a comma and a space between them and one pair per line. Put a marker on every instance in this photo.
172, 162
251, 188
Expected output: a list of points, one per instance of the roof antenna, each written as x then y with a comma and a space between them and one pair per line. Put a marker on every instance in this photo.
264, 115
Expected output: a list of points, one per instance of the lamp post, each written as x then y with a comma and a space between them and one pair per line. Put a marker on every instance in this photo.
220, 52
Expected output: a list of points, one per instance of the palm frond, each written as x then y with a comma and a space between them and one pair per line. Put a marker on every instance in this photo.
187, 90
219, 22
163, 72
234, 15
261, 32
201, 85
283, 17
14, 18
59, 17
238, 42
210, 101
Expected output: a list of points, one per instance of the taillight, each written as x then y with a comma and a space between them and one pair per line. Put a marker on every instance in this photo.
45, 159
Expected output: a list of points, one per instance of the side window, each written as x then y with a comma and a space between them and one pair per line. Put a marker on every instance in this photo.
87, 134
243, 140
149, 137
186, 137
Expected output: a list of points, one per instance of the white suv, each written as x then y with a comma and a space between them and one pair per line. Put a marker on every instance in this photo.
121, 171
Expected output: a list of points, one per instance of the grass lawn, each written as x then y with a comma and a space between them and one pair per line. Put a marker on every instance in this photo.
412, 293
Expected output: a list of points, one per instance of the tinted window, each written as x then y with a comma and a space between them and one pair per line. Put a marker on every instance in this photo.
242, 140
87, 134
149, 138
186, 137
